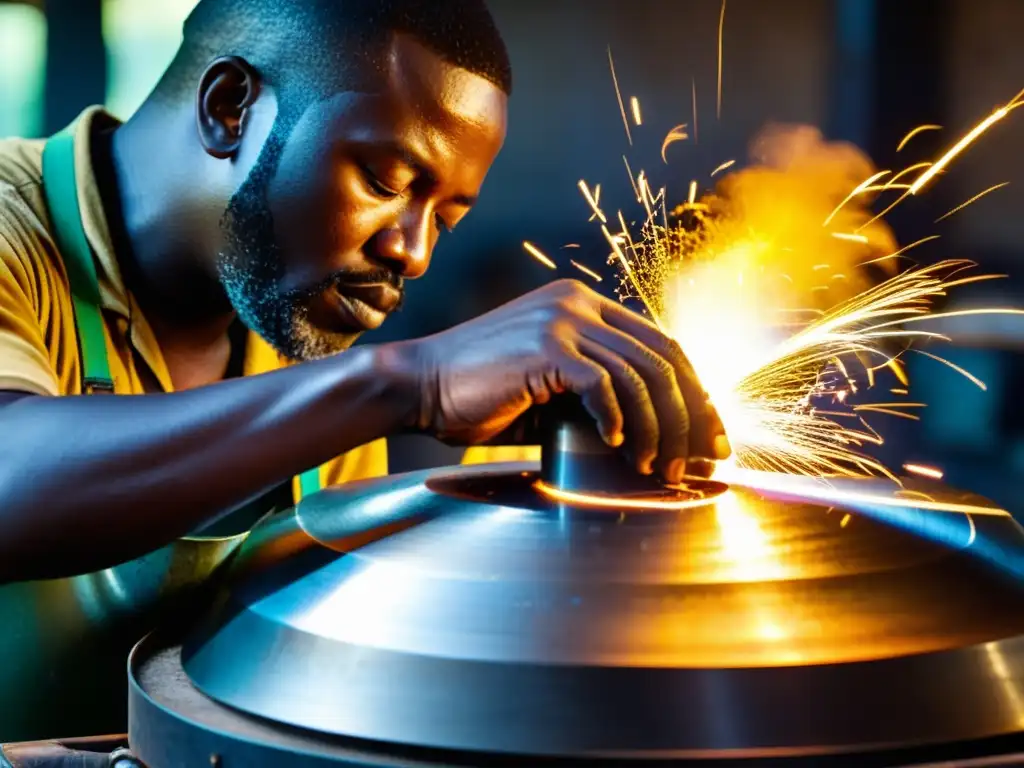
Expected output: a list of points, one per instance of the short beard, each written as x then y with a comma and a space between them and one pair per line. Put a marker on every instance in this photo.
251, 268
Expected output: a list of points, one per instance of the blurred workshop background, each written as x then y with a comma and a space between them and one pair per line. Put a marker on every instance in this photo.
862, 70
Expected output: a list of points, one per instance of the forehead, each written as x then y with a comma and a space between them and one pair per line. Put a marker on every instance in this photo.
448, 118
442, 94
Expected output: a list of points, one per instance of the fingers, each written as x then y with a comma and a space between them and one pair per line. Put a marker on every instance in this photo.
721, 449
657, 421
593, 384
702, 468
635, 402
706, 432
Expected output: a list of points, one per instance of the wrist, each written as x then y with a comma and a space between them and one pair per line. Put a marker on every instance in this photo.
397, 370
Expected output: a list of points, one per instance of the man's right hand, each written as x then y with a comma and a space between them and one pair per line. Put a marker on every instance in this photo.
476, 379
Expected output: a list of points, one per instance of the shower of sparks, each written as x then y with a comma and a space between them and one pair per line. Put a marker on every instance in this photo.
539, 255
974, 199
792, 401
915, 132
634, 105
586, 271
793, 388
923, 471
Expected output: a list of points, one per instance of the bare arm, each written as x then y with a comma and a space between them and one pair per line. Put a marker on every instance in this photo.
88, 482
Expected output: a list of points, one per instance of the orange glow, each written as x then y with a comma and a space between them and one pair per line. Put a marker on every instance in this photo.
597, 501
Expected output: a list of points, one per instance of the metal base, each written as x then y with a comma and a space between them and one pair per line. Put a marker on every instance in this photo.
459, 611
173, 725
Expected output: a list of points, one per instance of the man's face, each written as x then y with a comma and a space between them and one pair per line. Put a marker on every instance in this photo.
333, 218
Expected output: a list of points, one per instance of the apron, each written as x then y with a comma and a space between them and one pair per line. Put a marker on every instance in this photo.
64, 643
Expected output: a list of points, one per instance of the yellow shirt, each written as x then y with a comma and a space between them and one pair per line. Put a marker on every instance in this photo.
38, 343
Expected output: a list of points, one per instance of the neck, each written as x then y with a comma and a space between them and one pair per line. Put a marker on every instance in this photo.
164, 206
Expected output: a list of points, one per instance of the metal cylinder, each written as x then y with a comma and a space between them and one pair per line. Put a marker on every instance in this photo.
575, 458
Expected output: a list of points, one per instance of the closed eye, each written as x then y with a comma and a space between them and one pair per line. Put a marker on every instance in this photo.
378, 187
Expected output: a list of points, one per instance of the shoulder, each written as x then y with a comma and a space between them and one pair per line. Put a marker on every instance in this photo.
21, 173
23, 216
21, 161
28, 255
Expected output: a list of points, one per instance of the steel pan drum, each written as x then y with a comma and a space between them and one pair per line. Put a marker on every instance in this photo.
463, 610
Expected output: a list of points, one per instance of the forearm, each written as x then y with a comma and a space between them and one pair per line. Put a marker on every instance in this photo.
86, 482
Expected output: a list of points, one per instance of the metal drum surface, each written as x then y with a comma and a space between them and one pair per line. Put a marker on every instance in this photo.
462, 609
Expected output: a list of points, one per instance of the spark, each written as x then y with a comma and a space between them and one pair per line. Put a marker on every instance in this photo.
923, 471
853, 238
977, 197
586, 270
539, 255
909, 169
901, 251
592, 201
856, 191
961, 145
634, 105
962, 371
693, 192
571, 245
915, 132
618, 95
721, 31
693, 90
844, 521
723, 166
676, 134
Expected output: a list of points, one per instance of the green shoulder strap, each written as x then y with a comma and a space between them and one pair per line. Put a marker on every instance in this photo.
62, 200
309, 482
61, 191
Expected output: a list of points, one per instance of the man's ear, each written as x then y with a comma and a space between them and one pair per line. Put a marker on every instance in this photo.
227, 88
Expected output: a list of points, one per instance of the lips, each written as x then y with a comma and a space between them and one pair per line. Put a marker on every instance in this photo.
380, 296
363, 307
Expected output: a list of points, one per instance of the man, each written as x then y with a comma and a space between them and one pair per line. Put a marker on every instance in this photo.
264, 207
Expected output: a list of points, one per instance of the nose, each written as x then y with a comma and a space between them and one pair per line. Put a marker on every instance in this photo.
406, 246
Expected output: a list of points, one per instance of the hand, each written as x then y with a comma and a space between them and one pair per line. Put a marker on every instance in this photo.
476, 379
